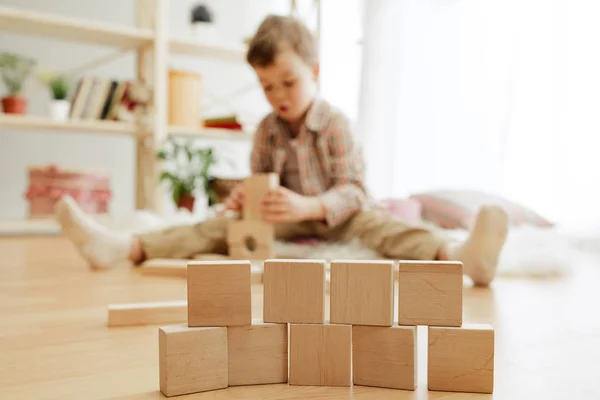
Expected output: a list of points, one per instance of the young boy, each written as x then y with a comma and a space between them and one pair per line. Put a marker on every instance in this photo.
309, 144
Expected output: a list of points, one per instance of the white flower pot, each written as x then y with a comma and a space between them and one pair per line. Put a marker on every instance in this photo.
59, 110
204, 31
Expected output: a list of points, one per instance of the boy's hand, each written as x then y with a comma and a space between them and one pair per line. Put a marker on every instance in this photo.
235, 201
284, 205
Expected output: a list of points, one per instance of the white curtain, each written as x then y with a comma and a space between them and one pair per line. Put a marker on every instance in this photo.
497, 95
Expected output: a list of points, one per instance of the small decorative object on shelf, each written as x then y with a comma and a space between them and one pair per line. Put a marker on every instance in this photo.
15, 70
189, 170
202, 23
135, 104
59, 86
48, 183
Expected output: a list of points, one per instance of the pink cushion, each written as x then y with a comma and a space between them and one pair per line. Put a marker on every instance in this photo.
457, 209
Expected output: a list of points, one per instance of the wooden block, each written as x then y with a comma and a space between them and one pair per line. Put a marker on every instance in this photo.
320, 355
257, 353
164, 267
192, 360
166, 312
256, 186
461, 359
294, 291
385, 356
362, 292
430, 293
238, 231
218, 293
251, 240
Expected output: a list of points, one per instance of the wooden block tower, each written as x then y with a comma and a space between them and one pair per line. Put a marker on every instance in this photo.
320, 352
460, 357
252, 237
221, 345
362, 295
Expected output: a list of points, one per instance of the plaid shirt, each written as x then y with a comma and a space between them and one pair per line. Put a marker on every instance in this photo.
329, 161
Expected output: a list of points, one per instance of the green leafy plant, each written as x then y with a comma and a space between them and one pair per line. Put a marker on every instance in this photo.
59, 85
191, 168
14, 70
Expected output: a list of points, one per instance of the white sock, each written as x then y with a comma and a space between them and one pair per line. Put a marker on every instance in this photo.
480, 253
101, 247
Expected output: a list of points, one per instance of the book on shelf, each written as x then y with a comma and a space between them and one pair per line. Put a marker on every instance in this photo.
224, 122
97, 98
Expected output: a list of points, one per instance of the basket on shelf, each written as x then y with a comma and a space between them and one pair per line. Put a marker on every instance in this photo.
48, 183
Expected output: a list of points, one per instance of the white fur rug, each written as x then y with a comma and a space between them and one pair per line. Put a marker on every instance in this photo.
529, 252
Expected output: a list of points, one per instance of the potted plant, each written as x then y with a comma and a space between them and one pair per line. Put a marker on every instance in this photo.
14, 70
189, 171
59, 86
202, 22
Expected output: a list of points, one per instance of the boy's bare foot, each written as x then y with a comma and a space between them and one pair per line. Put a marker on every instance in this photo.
101, 247
481, 251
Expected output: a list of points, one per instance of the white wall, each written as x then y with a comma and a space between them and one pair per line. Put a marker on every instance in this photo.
235, 20
434, 89
341, 52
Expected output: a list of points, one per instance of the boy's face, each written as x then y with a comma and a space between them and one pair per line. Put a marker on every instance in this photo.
289, 84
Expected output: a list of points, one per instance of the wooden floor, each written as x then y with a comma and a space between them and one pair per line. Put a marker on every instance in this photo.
54, 343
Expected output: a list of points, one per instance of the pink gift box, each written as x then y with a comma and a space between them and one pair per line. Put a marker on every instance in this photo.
48, 183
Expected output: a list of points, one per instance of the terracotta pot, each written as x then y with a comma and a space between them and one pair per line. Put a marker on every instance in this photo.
186, 202
14, 105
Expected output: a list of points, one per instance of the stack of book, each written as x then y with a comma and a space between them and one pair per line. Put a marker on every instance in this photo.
97, 98
224, 122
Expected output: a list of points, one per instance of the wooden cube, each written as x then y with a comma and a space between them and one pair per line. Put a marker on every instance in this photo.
294, 291
258, 353
251, 240
385, 356
192, 360
129, 314
461, 359
430, 293
256, 187
320, 355
362, 292
218, 293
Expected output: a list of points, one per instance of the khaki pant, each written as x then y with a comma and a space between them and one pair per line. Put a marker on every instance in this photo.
377, 229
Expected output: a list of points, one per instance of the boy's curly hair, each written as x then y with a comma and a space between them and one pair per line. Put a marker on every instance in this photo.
277, 33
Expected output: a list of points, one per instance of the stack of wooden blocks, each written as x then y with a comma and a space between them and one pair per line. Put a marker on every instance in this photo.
293, 343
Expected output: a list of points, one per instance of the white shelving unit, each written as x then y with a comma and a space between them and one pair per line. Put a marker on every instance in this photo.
32, 227
209, 133
53, 26
153, 46
30, 122
192, 48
